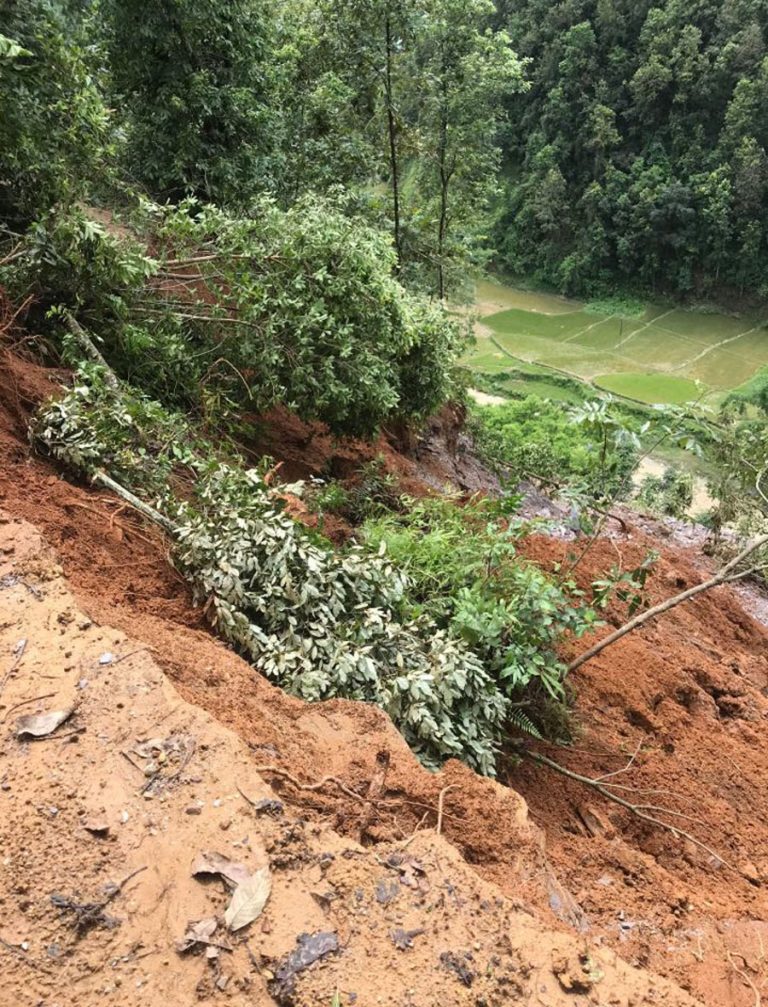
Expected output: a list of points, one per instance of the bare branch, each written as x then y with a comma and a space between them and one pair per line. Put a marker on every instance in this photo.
725, 576
636, 809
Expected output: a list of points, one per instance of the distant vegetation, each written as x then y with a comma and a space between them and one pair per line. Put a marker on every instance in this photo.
637, 158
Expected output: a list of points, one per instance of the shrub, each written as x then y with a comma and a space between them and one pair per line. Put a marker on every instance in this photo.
298, 308
670, 494
544, 441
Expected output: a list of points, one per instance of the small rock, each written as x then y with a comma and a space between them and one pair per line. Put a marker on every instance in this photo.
193, 809
97, 824
595, 823
750, 872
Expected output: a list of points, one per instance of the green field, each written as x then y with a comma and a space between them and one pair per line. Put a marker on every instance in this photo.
666, 355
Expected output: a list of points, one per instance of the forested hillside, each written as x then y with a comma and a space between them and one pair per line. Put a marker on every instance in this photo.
638, 156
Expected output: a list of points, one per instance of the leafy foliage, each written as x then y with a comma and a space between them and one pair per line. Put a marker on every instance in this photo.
53, 125
321, 624
465, 571
297, 307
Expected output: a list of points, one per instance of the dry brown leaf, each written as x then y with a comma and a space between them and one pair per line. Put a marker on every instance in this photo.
40, 725
210, 862
249, 899
201, 932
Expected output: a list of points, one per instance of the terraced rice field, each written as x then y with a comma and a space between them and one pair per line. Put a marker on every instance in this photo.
667, 355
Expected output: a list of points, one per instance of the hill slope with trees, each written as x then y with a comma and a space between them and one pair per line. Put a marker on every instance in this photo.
637, 158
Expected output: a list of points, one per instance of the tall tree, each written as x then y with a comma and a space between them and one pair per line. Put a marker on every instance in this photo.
53, 123
465, 71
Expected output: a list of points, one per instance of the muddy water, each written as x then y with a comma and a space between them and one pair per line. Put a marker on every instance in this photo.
491, 297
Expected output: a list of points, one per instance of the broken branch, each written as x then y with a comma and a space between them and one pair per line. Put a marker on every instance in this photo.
723, 577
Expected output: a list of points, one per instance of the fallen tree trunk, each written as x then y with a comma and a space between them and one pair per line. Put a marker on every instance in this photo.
90, 349
149, 512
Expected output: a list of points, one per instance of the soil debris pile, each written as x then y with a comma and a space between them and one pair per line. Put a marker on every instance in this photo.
147, 859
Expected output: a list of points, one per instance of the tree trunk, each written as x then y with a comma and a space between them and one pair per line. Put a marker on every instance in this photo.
394, 166
442, 158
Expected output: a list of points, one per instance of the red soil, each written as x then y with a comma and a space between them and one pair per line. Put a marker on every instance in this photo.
688, 694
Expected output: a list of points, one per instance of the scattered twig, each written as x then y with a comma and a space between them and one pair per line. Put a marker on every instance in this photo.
440, 801
115, 891
139, 650
135, 765
20, 953
60, 737
308, 786
624, 769
91, 914
313, 787
407, 842
104, 480
26, 702
21, 646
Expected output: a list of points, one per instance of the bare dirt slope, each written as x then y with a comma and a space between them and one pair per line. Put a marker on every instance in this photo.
103, 818
688, 694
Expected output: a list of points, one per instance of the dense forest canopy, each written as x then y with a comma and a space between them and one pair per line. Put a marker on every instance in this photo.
589, 144
638, 156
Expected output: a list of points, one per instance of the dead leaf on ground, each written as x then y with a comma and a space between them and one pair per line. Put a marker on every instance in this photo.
309, 949
248, 900
201, 933
210, 862
40, 725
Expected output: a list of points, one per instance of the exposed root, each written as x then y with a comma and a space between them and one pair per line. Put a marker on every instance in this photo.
745, 978
366, 801
440, 800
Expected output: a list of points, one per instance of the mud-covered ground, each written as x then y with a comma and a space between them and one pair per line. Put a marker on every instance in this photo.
685, 699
